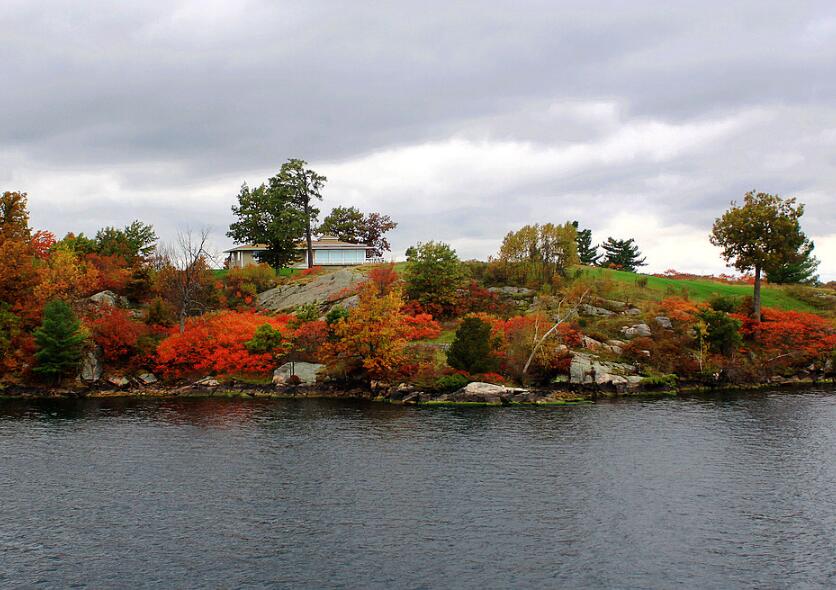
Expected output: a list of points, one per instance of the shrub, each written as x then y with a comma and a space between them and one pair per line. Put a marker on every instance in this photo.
384, 277
789, 337
422, 327
116, 332
472, 350
725, 303
308, 312
335, 314
452, 382
722, 332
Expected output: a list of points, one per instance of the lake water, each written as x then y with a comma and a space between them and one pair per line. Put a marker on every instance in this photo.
730, 492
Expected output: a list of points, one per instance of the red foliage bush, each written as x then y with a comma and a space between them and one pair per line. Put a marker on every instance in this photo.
214, 344
477, 299
42, 241
114, 272
422, 327
384, 277
790, 337
116, 332
308, 339
679, 310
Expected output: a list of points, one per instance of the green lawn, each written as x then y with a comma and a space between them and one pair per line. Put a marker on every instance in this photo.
703, 289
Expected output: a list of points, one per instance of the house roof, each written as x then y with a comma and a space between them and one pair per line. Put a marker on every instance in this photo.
323, 243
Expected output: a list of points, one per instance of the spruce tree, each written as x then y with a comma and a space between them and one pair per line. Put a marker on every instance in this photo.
587, 253
800, 268
472, 350
60, 341
622, 254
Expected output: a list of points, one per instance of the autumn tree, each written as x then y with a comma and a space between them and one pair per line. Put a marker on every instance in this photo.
587, 253
541, 251
764, 232
350, 225
622, 254
373, 338
135, 241
184, 278
434, 274
17, 271
59, 341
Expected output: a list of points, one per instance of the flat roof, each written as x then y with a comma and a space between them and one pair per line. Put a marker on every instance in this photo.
326, 244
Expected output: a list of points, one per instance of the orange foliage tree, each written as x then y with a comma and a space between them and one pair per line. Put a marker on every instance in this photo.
215, 343
372, 340
116, 332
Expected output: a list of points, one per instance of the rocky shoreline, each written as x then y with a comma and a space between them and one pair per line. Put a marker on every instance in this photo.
476, 393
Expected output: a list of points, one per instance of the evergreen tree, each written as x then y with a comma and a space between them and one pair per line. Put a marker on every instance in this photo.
622, 254
587, 253
59, 340
472, 349
800, 269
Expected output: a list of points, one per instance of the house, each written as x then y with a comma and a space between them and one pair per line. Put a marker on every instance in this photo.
327, 251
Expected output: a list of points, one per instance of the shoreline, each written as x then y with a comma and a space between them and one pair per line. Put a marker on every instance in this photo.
533, 397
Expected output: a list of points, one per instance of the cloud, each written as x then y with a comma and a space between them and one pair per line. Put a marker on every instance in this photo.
461, 120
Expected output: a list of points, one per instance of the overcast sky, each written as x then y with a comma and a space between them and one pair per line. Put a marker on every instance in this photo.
460, 120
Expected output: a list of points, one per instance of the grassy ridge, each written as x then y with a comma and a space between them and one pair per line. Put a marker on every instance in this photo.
702, 289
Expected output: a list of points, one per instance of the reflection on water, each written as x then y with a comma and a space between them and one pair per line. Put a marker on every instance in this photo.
712, 493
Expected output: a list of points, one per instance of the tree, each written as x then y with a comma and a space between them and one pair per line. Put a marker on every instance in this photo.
184, 277
268, 216
622, 254
541, 251
14, 217
59, 341
566, 308
764, 232
135, 241
373, 338
17, 271
472, 349
434, 274
587, 253
302, 186
350, 225
799, 269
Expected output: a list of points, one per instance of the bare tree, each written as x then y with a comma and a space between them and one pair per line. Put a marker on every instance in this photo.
566, 309
185, 273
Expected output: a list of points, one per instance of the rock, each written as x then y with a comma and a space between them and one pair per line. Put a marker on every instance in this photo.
632, 311
612, 305
108, 298
613, 349
513, 292
664, 322
411, 398
118, 381
207, 382
147, 378
307, 373
91, 365
590, 343
586, 369
484, 392
586, 309
619, 343
635, 330
326, 290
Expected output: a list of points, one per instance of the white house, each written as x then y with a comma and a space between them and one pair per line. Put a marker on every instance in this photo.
327, 251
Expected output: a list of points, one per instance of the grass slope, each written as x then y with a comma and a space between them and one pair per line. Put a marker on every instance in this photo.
703, 289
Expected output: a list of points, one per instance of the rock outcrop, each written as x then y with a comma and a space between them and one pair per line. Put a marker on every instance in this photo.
92, 365
635, 330
323, 290
306, 372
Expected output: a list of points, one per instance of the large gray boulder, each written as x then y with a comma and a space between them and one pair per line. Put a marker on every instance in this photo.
108, 298
664, 322
587, 369
586, 309
92, 367
323, 290
306, 372
483, 393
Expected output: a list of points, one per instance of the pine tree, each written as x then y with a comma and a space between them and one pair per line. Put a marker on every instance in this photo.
801, 268
471, 351
587, 253
59, 340
622, 254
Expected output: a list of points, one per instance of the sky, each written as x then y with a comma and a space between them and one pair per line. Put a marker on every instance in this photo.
460, 120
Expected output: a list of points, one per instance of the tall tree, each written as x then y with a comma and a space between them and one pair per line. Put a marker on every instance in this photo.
184, 278
136, 241
764, 232
59, 340
545, 250
14, 217
268, 215
800, 269
472, 349
350, 225
303, 187
434, 274
18, 274
622, 254
587, 253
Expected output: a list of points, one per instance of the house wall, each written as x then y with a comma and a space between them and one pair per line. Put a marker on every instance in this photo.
339, 257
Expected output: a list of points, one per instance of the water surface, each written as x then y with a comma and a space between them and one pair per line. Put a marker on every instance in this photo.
732, 492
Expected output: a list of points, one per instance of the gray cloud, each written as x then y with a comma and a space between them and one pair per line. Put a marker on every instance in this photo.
459, 119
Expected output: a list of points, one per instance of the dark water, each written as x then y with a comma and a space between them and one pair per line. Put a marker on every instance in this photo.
738, 492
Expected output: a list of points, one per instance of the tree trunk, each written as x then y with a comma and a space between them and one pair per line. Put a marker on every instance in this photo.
756, 312
308, 235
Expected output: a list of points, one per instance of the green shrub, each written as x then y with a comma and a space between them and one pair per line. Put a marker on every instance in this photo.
452, 382
725, 303
659, 380
472, 349
722, 332
308, 312
336, 314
